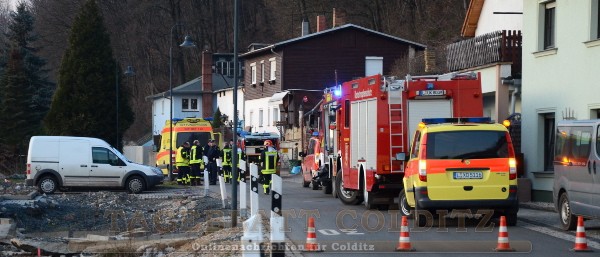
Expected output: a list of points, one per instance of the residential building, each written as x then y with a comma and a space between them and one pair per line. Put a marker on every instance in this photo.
200, 97
288, 77
561, 56
492, 48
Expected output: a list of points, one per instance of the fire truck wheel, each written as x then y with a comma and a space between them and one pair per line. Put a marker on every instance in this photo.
346, 196
369, 199
403, 205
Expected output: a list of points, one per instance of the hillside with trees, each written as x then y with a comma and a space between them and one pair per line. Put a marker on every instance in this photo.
142, 31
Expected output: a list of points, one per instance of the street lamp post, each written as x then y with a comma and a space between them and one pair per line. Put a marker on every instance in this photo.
187, 43
129, 72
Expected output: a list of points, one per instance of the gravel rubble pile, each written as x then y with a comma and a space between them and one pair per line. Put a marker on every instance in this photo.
60, 217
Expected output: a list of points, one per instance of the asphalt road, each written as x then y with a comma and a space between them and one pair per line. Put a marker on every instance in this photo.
354, 231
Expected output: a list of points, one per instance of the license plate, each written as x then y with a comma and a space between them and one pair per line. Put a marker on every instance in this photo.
468, 175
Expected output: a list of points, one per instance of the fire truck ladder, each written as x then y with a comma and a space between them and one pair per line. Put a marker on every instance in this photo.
396, 129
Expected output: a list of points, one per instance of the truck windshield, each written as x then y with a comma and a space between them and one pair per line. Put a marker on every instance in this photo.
467, 145
191, 136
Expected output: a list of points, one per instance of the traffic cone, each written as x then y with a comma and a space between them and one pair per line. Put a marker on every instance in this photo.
311, 237
404, 240
503, 245
580, 241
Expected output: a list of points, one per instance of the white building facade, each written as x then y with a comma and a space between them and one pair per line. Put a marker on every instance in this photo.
561, 59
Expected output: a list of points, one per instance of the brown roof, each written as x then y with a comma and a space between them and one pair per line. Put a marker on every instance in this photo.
472, 18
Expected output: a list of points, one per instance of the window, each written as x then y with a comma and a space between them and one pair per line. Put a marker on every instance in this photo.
347, 114
275, 115
230, 68
273, 69
598, 140
253, 73
549, 134
414, 152
573, 145
260, 118
262, 71
467, 144
595, 22
549, 24
251, 118
189, 104
102, 155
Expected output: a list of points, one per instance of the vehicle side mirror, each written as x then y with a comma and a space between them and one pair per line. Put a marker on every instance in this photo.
302, 154
401, 157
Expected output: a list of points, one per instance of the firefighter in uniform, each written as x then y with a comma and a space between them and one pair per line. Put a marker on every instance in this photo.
268, 163
182, 160
241, 156
226, 156
212, 152
196, 163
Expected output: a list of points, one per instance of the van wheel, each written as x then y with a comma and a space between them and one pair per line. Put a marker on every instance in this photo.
403, 205
346, 196
47, 184
135, 184
171, 175
567, 219
511, 219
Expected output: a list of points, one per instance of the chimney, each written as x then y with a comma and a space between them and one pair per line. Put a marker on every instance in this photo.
339, 17
321, 23
207, 95
304, 27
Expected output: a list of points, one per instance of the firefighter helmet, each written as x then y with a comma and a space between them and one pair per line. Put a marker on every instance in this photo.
268, 143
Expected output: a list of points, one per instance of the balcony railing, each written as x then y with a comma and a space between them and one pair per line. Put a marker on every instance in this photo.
498, 46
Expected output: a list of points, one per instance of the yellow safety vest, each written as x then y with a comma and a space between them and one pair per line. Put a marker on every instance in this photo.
193, 159
226, 157
180, 159
270, 162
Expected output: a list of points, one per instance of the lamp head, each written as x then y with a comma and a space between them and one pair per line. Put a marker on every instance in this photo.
188, 42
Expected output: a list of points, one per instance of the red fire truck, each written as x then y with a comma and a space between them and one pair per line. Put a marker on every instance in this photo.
365, 127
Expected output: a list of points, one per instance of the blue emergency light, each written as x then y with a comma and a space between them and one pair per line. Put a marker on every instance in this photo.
338, 91
315, 134
457, 120
430, 86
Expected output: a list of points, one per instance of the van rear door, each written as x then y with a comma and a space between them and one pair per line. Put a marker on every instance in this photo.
467, 165
74, 161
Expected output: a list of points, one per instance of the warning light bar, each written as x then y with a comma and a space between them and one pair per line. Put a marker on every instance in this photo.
458, 120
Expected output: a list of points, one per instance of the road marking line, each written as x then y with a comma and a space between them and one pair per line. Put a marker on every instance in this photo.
556, 234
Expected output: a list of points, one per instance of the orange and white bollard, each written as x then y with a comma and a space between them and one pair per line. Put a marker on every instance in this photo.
404, 240
503, 244
580, 240
311, 237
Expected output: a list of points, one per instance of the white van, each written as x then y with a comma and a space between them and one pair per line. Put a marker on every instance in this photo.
60, 162
576, 171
